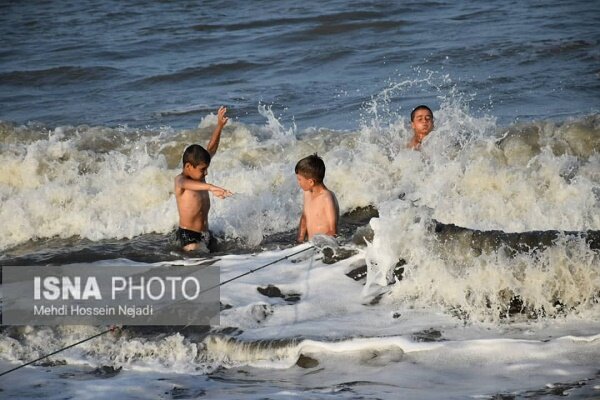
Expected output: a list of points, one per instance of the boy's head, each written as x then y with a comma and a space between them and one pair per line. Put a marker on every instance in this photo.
196, 161
421, 119
310, 171
417, 108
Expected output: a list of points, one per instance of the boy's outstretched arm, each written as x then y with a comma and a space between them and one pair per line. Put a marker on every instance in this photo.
213, 144
183, 183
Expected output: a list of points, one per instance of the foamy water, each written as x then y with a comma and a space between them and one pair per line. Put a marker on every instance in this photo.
472, 172
470, 316
333, 341
495, 319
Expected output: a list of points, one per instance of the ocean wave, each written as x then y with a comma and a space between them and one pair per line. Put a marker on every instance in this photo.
292, 21
63, 75
483, 276
256, 24
194, 109
200, 72
471, 173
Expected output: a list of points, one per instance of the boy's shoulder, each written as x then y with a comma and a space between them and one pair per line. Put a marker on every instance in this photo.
330, 194
331, 198
328, 191
327, 194
179, 179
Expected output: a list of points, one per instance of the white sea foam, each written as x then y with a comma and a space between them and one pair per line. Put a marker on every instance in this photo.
101, 183
451, 272
331, 332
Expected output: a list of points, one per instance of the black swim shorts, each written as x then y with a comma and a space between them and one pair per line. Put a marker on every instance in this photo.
185, 237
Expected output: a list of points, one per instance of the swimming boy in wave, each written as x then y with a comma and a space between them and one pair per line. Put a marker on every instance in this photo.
191, 190
320, 212
421, 120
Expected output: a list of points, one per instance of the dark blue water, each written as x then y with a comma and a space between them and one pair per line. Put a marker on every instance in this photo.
316, 63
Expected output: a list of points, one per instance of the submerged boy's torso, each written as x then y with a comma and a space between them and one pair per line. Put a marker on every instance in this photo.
193, 208
315, 210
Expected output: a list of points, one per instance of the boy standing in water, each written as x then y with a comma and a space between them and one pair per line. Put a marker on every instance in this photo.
320, 211
421, 120
191, 190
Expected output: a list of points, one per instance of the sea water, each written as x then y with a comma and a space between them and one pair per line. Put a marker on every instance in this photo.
481, 250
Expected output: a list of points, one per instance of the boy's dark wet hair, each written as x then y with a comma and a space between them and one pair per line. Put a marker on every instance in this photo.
195, 155
417, 108
311, 167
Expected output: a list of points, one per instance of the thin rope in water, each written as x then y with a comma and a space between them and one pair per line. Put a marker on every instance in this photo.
114, 327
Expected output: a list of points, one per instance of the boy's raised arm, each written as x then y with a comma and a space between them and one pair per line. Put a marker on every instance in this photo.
213, 144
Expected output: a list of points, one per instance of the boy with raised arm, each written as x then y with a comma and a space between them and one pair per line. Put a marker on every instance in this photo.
191, 190
320, 212
421, 120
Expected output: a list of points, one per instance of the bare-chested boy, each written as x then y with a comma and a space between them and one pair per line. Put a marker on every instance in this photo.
321, 211
421, 120
191, 190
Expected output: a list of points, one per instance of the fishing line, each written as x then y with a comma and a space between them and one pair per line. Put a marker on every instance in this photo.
111, 329
58, 351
